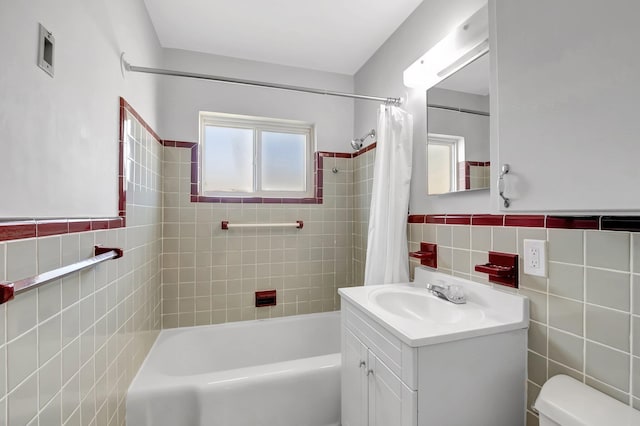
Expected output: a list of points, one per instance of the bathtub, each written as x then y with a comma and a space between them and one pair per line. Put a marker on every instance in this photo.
274, 372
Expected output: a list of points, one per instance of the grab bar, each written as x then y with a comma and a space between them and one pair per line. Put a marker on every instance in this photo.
226, 225
10, 289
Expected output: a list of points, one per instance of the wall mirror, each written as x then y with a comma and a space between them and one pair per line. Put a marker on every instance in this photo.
458, 130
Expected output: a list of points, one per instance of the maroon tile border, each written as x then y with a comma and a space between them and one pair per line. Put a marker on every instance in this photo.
45, 228
530, 221
416, 218
605, 223
435, 218
458, 219
487, 220
573, 222
125, 106
363, 150
18, 230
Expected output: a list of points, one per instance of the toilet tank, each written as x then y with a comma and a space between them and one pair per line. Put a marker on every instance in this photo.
564, 401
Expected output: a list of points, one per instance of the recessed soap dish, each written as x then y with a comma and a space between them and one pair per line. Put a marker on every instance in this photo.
502, 268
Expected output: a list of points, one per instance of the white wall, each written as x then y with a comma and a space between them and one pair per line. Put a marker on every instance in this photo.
181, 99
59, 135
382, 76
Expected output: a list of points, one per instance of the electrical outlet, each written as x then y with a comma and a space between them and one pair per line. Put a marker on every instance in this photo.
535, 257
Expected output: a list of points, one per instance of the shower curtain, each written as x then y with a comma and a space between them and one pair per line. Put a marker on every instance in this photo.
387, 252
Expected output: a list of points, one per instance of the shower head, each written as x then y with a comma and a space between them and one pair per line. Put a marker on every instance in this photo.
357, 143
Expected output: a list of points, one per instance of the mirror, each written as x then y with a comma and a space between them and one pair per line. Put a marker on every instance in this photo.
458, 130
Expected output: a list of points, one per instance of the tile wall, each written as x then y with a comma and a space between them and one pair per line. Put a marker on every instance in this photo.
69, 349
585, 317
473, 174
209, 275
362, 187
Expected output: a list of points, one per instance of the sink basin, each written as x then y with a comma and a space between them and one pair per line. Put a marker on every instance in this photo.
418, 318
419, 304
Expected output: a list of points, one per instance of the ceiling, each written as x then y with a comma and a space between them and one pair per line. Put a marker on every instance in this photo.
327, 35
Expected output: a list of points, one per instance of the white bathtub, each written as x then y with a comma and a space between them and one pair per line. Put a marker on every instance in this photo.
275, 372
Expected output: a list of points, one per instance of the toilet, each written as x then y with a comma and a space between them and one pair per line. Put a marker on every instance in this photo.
564, 401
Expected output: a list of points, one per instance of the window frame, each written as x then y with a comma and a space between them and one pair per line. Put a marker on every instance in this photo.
457, 148
258, 125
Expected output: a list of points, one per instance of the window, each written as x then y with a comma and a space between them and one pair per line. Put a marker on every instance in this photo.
255, 156
443, 154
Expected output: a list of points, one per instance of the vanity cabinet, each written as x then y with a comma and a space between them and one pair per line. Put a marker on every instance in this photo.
564, 113
461, 365
372, 394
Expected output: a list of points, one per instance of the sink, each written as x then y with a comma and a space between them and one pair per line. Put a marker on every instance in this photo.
419, 304
418, 317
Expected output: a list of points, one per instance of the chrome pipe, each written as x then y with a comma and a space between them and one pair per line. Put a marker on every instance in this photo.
159, 71
10, 289
463, 110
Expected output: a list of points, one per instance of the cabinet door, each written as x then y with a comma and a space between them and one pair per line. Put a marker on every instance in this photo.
354, 380
390, 401
566, 114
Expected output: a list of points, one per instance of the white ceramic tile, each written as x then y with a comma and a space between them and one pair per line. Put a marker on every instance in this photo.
50, 379
537, 338
566, 314
444, 236
537, 368
636, 377
607, 365
22, 260
608, 288
51, 414
70, 324
566, 349
22, 314
49, 300
2, 263
49, 253
504, 239
566, 245
608, 326
607, 250
608, 390
635, 252
49, 338
23, 402
481, 238
529, 234
537, 305
70, 397
461, 236
566, 280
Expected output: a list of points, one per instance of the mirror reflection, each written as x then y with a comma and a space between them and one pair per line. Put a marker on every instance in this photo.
458, 130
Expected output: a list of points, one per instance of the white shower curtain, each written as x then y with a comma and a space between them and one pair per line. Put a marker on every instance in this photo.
387, 251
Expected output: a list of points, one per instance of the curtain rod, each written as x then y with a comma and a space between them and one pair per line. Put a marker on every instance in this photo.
464, 110
133, 68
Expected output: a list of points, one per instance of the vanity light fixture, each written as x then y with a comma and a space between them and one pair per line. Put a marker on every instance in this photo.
463, 45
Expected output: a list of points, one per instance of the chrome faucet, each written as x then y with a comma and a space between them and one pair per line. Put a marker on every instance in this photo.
450, 293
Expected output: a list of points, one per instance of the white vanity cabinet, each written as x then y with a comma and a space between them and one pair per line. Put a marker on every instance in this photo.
409, 358
372, 394
564, 96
